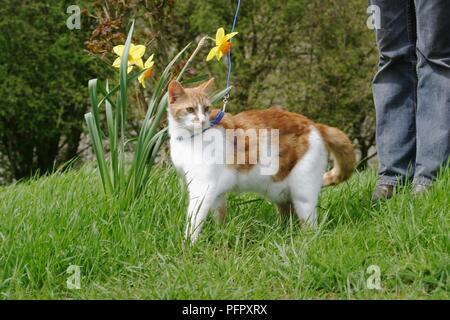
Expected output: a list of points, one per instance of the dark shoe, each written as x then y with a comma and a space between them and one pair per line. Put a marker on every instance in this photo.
382, 192
420, 189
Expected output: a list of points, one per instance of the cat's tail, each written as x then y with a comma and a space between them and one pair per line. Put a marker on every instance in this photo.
341, 149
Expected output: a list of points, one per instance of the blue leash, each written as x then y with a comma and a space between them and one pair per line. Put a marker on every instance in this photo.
225, 99
229, 52
220, 115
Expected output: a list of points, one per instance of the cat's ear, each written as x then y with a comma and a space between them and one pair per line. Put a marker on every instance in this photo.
207, 86
176, 91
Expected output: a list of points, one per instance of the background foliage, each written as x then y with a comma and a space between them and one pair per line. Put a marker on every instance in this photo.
309, 56
44, 70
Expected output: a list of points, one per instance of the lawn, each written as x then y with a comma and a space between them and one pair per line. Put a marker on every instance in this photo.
50, 223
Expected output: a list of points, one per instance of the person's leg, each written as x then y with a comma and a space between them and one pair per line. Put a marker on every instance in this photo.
433, 90
394, 89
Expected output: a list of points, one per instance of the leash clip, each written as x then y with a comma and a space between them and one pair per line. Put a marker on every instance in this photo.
225, 101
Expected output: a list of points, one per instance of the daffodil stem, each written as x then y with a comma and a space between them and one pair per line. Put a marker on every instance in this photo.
200, 44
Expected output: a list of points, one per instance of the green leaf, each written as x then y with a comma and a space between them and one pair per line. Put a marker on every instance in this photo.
99, 153
112, 140
195, 79
92, 85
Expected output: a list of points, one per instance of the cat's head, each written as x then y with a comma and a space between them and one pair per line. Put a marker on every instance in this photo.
190, 107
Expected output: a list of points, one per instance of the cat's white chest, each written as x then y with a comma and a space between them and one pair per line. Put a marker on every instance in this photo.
199, 153
178, 152
192, 160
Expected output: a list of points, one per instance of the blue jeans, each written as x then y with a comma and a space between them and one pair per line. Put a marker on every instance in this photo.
412, 89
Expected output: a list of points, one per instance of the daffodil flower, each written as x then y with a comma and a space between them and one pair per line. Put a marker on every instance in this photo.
135, 55
223, 45
147, 74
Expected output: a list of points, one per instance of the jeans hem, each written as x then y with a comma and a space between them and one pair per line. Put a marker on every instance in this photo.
387, 180
422, 181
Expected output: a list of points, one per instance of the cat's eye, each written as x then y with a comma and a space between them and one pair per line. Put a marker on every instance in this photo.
206, 109
190, 110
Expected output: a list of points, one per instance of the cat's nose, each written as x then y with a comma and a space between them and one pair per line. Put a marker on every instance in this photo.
201, 119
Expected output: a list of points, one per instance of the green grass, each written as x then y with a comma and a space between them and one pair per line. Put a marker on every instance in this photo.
64, 219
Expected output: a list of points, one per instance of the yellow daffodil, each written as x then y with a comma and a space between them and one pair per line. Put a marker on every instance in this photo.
148, 73
135, 55
223, 45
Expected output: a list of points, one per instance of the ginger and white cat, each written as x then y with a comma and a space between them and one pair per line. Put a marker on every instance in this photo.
301, 156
